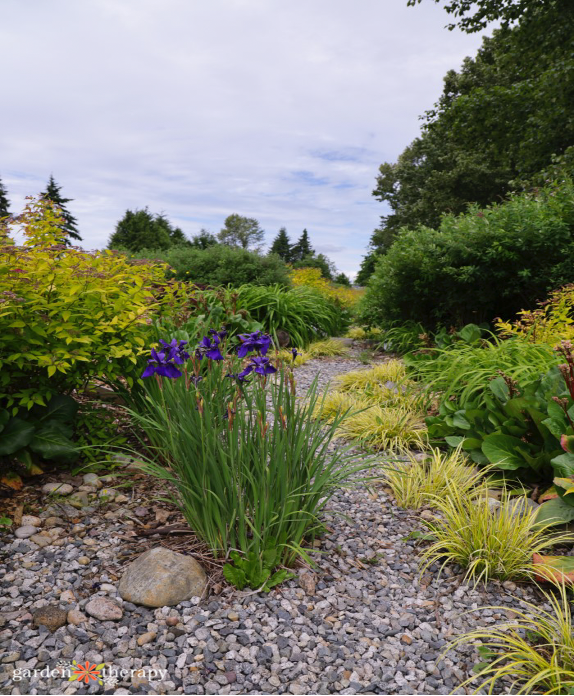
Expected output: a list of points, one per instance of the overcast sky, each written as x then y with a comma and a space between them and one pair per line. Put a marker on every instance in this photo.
280, 110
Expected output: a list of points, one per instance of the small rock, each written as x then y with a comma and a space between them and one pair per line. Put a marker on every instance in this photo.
30, 521
104, 609
50, 616
233, 616
160, 577
172, 620
83, 560
67, 597
76, 617
521, 506
79, 499
109, 493
426, 515
307, 582
92, 480
25, 532
405, 638
53, 522
41, 540
146, 638
59, 488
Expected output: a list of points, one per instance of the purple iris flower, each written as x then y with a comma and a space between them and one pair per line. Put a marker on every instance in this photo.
254, 341
160, 365
209, 347
262, 366
222, 333
175, 349
195, 380
294, 353
239, 376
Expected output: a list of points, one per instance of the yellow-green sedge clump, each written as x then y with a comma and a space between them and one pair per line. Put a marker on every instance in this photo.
421, 479
489, 543
533, 653
391, 371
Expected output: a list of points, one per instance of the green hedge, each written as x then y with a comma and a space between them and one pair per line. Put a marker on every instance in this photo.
221, 265
477, 266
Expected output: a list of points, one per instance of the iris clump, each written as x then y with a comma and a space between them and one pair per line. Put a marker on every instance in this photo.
251, 468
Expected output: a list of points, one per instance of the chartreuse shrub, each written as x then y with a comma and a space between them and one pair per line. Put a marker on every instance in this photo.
487, 544
532, 653
67, 317
251, 469
329, 348
418, 481
550, 323
477, 266
341, 295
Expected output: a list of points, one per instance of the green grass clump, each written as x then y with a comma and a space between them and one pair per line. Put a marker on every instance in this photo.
416, 483
302, 312
487, 543
534, 651
464, 370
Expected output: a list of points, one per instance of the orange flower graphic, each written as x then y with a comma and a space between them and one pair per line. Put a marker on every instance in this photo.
86, 672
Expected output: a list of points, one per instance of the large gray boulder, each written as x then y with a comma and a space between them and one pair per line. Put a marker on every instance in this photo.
162, 578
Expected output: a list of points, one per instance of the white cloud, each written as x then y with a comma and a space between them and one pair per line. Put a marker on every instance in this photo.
277, 110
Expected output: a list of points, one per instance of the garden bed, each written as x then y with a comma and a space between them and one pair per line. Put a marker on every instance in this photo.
362, 621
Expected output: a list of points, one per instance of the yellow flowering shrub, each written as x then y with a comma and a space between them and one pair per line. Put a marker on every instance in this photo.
68, 316
551, 323
311, 277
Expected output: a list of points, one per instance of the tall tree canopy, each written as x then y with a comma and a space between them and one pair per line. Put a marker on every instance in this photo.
203, 240
53, 193
302, 247
140, 229
475, 15
4, 202
241, 231
500, 120
282, 245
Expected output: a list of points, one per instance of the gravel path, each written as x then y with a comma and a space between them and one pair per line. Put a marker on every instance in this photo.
363, 621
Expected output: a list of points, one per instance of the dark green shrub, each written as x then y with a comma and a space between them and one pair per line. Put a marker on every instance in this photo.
477, 266
221, 265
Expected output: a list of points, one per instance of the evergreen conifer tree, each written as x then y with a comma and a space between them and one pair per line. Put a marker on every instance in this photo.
281, 245
302, 248
52, 193
4, 202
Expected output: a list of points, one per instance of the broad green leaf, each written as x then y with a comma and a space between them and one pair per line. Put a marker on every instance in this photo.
499, 388
17, 434
555, 511
563, 465
502, 451
52, 441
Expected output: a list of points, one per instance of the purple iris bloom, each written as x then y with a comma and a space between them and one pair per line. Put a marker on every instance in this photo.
160, 365
254, 341
240, 376
294, 353
175, 349
222, 333
195, 380
209, 347
262, 366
